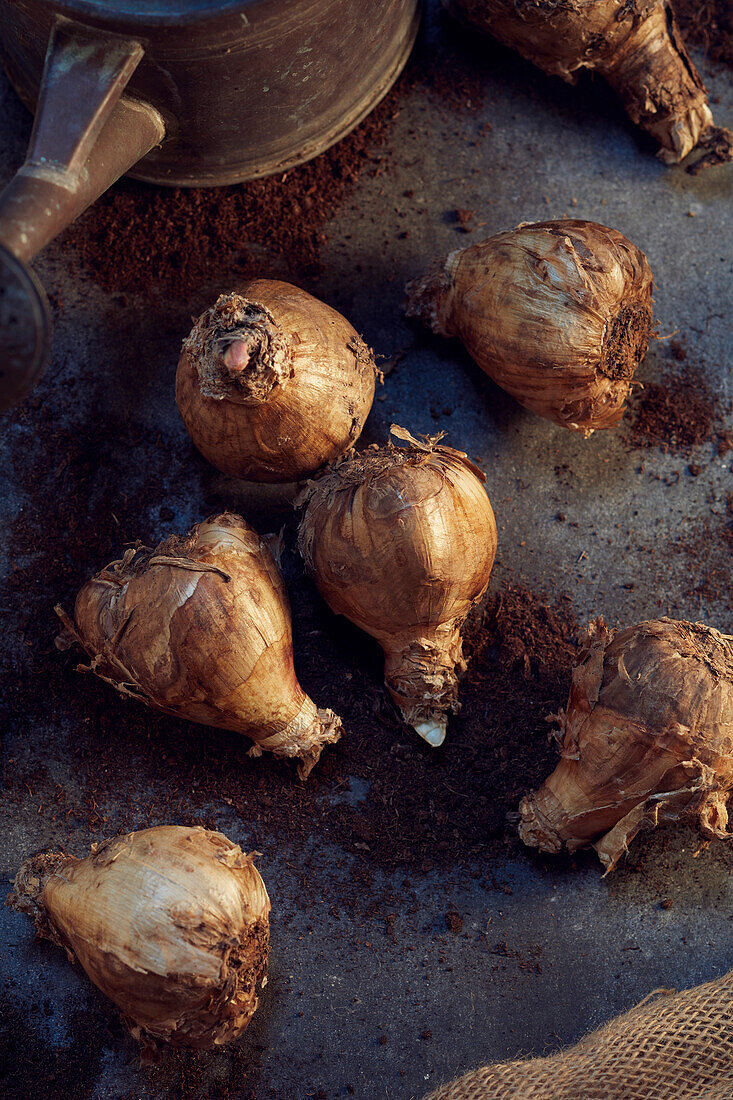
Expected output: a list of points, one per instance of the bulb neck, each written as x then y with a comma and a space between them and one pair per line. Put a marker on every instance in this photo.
659, 85
31, 879
569, 811
421, 675
304, 737
539, 821
29, 886
430, 299
239, 351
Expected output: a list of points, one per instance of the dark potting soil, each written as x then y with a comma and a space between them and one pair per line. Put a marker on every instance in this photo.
380, 796
678, 412
79, 513
381, 793
707, 23
176, 241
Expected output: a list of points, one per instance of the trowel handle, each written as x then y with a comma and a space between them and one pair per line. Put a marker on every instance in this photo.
85, 136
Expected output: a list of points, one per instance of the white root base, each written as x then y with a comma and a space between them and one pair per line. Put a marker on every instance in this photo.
432, 730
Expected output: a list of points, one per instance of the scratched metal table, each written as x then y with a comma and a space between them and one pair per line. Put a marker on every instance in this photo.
603, 944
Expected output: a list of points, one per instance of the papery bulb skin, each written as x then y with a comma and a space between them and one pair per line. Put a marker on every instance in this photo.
401, 541
171, 923
200, 628
635, 44
272, 383
558, 314
647, 738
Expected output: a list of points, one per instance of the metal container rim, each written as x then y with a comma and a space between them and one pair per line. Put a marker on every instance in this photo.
153, 13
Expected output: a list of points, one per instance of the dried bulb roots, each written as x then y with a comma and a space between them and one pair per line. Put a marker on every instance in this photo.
170, 923
401, 540
559, 314
200, 628
647, 738
272, 384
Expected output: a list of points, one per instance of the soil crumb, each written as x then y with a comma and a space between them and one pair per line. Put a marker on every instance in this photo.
453, 922
678, 412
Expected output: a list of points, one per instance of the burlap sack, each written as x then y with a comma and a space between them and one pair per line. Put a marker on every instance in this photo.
672, 1046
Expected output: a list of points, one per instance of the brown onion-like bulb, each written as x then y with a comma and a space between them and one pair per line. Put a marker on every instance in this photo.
170, 923
558, 314
401, 541
635, 44
272, 384
200, 628
647, 738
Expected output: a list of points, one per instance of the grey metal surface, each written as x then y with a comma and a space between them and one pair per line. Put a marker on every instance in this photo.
579, 948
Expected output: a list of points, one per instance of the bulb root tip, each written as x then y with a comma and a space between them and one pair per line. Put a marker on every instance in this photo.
432, 730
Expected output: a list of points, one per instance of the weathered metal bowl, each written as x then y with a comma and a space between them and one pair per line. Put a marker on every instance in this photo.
186, 92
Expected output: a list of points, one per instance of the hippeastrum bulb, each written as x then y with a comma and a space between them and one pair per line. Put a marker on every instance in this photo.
647, 738
558, 314
200, 628
170, 923
635, 44
272, 383
401, 541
